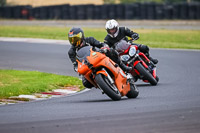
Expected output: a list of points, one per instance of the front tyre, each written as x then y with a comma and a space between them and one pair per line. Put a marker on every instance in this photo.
107, 87
157, 78
146, 74
133, 93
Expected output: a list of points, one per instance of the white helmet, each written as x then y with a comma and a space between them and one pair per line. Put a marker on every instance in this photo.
112, 25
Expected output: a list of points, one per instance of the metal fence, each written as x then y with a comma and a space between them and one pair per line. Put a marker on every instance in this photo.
114, 11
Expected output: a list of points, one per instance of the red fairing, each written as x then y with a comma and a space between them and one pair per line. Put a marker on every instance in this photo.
154, 73
136, 47
136, 62
143, 63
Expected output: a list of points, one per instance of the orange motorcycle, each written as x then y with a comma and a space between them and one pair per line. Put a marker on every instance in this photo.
104, 74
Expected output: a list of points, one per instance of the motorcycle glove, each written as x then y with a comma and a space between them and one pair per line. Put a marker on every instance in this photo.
104, 49
135, 36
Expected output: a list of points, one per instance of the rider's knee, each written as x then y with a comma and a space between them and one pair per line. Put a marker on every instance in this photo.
143, 48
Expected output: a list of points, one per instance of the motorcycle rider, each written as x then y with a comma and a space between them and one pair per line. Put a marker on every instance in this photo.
78, 40
116, 33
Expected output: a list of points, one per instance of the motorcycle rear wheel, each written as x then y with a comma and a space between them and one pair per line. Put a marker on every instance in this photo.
106, 86
146, 74
133, 93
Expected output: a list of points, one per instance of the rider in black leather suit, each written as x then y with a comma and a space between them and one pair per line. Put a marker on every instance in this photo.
77, 41
116, 33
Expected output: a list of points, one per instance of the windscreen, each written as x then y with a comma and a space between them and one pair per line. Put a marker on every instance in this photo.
121, 46
83, 53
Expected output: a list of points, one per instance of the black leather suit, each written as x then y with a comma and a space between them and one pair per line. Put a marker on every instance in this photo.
123, 33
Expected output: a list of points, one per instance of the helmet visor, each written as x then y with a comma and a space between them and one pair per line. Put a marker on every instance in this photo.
112, 31
75, 39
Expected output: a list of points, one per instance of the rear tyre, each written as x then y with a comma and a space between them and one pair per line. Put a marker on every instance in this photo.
107, 87
133, 93
146, 74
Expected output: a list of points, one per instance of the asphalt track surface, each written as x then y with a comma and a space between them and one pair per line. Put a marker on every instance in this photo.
134, 24
173, 106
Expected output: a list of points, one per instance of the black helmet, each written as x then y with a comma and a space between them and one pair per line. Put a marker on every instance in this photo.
76, 36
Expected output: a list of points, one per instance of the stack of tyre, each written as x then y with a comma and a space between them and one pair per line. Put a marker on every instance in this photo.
107, 11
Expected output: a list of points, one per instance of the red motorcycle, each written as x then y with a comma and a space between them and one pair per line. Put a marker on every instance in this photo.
143, 68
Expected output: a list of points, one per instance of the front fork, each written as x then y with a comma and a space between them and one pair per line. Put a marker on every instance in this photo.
104, 72
147, 63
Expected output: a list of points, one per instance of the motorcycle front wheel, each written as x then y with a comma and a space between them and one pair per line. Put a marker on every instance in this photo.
109, 89
146, 74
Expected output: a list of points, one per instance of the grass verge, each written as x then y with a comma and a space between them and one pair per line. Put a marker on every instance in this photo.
156, 38
14, 82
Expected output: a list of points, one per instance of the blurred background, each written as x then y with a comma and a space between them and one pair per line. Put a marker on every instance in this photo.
100, 9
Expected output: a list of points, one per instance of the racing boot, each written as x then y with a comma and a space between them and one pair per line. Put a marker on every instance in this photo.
155, 61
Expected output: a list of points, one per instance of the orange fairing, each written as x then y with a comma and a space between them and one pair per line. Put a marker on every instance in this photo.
121, 83
82, 68
97, 60
102, 72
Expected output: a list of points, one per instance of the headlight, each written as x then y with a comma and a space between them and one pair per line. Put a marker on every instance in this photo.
125, 57
132, 51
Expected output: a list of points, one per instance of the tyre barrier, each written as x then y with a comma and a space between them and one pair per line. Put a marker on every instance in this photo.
90, 12
107, 11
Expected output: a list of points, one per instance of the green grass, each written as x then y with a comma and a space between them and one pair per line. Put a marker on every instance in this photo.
34, 32
163, 38
157, 38
14, 83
